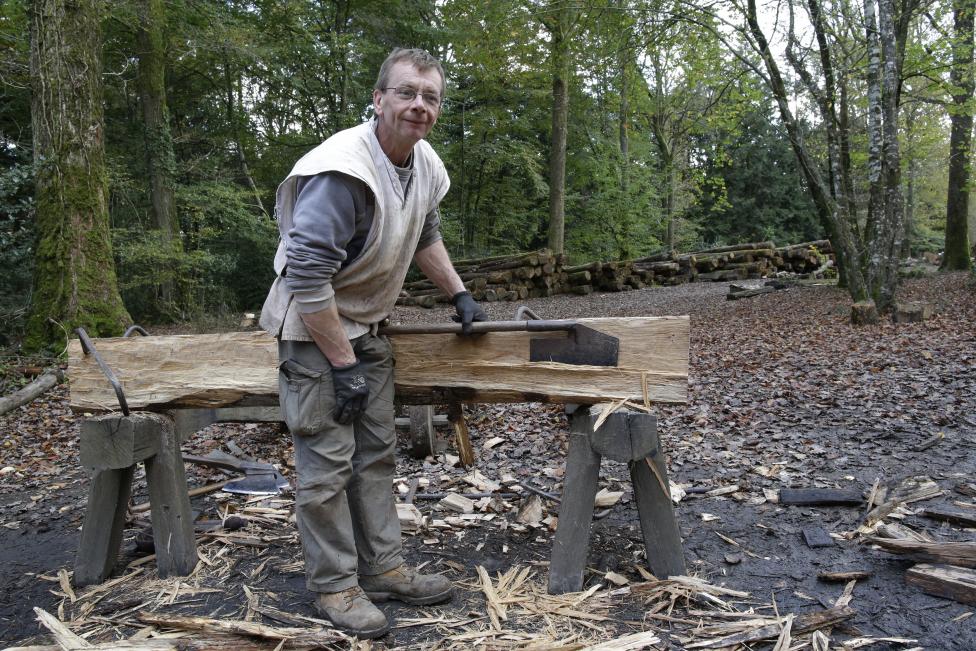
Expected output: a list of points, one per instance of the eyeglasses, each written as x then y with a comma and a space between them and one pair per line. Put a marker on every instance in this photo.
408, 94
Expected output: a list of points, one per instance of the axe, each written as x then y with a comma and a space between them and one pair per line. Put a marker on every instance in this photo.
259, 478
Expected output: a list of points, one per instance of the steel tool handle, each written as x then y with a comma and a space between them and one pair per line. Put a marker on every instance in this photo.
479, 327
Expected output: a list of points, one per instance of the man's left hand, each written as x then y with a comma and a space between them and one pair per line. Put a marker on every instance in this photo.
468, 311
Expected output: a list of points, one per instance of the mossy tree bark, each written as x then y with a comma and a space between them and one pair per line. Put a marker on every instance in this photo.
74, 276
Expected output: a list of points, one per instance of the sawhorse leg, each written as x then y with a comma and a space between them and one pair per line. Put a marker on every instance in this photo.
572, 540
101, 534
172, 518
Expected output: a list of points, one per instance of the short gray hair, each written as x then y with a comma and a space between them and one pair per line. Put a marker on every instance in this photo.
420, 59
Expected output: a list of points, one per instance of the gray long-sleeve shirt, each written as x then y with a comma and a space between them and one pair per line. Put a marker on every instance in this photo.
332, 218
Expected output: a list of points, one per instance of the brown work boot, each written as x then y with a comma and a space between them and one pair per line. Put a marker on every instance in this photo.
406, 584
352, 612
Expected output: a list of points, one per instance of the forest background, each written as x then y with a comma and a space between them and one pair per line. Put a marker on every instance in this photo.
142, 140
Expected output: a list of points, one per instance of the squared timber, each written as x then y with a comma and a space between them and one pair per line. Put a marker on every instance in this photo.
240, 369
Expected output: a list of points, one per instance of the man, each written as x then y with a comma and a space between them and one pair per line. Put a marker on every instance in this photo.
352, 214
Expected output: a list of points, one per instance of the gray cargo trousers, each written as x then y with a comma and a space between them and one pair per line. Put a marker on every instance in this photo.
344, 502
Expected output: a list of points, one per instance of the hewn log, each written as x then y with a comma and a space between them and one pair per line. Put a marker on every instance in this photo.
240, 368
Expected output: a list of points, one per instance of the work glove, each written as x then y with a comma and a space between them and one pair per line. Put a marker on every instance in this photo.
351, 392
468, 311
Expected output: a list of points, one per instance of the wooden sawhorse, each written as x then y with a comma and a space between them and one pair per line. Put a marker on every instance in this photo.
112, 445
624, 436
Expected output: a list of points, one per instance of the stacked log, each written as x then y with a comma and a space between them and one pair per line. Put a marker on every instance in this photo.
496, 278
804, 258
540, 273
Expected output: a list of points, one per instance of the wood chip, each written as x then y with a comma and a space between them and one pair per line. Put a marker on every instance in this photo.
606, 498
962, 554
530, 511
457, 503
804, 623
844, 577
496, 609
62, 634
411, 520
293, 637
724, 490
626, 643
616, 579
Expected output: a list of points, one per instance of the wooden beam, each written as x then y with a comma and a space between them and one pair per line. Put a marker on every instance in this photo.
946, 581
962, 554
240, 369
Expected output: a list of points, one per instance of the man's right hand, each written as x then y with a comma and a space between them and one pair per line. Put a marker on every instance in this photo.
351, 392
468, 311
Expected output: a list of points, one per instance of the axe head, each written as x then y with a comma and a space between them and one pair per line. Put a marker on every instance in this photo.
258, 483
584, 346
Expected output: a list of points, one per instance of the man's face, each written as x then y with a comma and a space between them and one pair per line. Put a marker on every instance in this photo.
402, 123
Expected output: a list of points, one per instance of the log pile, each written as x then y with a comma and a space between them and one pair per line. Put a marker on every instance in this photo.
498, 278
540, 273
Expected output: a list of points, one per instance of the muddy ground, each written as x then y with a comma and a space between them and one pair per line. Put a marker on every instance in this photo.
783, 393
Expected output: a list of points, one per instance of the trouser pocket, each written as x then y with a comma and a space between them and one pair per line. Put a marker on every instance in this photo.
301, 392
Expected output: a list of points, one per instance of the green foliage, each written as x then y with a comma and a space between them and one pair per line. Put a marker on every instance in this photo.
219, 218
16, 239
754, 191
224, 264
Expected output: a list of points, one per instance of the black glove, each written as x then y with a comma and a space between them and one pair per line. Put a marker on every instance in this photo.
351, 392
468, 311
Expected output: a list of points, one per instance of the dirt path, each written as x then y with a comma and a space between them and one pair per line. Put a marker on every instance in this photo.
784, 393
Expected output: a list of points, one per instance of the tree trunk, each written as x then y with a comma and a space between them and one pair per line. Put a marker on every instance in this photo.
234, 123
885, 248
622, 233
161, 161
875, 127
74, 274
832, 209
560, 34
957, 252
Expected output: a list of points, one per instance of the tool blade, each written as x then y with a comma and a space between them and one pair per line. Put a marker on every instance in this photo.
583, 347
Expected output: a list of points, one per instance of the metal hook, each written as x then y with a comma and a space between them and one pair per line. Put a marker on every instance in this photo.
524, 313
89, 349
